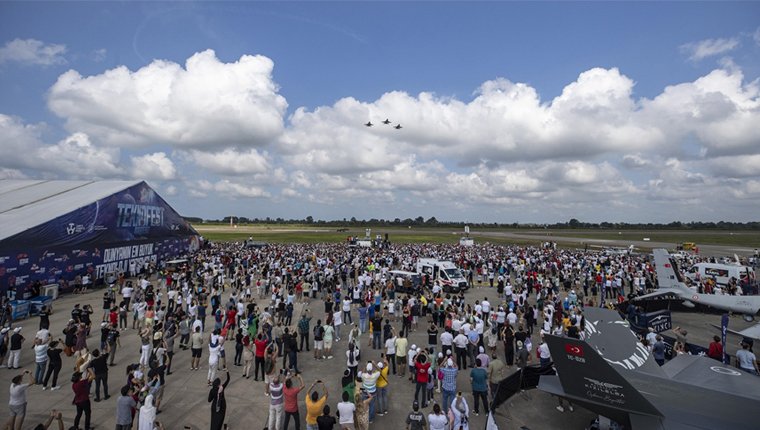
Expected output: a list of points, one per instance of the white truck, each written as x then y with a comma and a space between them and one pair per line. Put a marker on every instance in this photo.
451, 279
722, 273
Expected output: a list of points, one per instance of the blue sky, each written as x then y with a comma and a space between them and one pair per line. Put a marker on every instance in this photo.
530, 112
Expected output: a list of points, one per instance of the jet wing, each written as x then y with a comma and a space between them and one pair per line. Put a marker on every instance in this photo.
749, 332
662, 292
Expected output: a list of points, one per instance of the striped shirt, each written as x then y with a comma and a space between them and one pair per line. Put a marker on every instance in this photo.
275, 394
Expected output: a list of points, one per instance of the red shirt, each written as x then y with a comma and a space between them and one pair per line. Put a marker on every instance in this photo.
261, 346
291, 398
715, 351
81, 391
422, 369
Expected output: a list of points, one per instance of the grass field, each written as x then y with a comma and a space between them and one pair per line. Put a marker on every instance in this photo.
304, 234
706, 237
310, 234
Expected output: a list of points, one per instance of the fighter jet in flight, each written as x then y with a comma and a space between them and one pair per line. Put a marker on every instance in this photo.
369, 124
611, 373
387, 121
398, 127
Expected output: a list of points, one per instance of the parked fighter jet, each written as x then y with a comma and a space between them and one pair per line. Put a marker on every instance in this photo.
387, 121
672, 284
398, 127
612, 374
369, 124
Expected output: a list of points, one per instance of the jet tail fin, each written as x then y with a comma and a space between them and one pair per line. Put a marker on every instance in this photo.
668, 275
586, 375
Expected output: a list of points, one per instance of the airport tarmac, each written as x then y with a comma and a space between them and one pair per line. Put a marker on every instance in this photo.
185, 399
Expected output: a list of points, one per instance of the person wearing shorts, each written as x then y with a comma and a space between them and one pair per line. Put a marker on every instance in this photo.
196, 348
17, 402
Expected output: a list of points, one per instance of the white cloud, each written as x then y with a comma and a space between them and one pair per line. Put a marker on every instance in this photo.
709, 47
206, 103
17, 140
6, 173
76, 156
99, 55
153, 166
171, 190
32, 52
232, 162
230, 189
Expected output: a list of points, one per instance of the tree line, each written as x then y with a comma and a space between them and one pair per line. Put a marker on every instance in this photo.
433, 222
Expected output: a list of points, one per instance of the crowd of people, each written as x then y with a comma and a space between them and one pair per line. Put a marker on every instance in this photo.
275, 307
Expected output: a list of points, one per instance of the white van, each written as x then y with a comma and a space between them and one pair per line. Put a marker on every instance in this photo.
447, 273
722, 273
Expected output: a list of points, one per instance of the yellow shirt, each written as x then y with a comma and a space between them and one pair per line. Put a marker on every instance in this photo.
382, 381
314, 409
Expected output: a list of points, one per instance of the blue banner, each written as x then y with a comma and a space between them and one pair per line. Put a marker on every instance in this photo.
127, 229
723, 331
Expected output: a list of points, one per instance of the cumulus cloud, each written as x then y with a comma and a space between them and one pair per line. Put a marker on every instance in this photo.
232, 162
32, 52
205, 103
153, 166
229, 188
709, 48
76, 156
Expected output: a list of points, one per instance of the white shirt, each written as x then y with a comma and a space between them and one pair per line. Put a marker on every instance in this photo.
485, 306
346, 412
460, 341
446, 338
43, 334
437, 422
543, 350
390, 346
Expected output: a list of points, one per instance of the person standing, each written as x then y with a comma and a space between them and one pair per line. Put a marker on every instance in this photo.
716, 349
319, 343
17, 401
303, 330
274, 391
260, 351
746, 360
658, 350
218, 402
437, 420
125, 405
40, 359
99, 366
346, 410
382, 387
291, 400
196, 349
54, 365
460, 413
401, 347
416, 419
421, 366
81, 387
449, 383
314, 404
14, 354
112, 342
460, 344
479, 380
495, 373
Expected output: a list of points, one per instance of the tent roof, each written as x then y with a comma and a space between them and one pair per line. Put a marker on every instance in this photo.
28, 203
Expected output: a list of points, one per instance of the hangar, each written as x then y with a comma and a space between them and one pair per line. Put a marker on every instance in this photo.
51, 232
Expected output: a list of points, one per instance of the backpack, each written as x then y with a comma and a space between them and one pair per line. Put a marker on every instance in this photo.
319, 331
